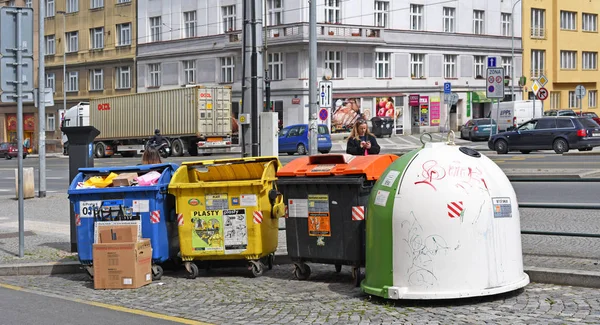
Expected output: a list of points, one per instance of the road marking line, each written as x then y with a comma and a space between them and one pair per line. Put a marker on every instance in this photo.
108, 306
409, 142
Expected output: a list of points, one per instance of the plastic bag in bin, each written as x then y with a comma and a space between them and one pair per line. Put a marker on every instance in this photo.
148, 179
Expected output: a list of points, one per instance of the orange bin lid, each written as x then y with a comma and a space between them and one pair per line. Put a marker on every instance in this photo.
371, 166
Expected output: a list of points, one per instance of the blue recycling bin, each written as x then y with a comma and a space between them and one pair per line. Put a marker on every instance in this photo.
151, 205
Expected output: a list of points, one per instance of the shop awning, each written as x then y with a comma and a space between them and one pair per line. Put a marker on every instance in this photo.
479, 97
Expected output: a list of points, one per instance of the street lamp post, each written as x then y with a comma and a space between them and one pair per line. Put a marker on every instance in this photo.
64, 14
512, 63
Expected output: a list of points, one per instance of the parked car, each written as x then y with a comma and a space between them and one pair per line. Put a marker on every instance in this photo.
591, 115
10, 150
559, 133
477, 129
560, 112
294, 139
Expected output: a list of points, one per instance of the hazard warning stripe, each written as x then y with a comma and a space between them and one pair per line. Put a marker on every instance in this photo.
455, 209
180, 219
77, 220
155, 217
358, 213
257, 217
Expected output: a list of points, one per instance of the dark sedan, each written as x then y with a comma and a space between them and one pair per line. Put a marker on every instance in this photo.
478, 129
559, 133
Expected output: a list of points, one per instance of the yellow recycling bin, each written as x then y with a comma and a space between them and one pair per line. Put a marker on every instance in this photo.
228, 209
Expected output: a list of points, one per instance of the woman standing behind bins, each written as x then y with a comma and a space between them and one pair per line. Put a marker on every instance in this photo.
362, 142
150, 156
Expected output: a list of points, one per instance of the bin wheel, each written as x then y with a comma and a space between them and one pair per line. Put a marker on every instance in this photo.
338, 268
257, 268
192, 270
270, 261
356, 276
157, 272
302, 272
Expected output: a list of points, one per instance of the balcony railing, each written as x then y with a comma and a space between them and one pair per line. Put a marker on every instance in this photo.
538, 33
335, 31
536, 73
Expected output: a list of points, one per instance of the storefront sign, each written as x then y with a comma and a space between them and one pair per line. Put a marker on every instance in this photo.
468, 104
28, 122
384, 106
434, 111
346, 111
424, 100
295, 101
413, 100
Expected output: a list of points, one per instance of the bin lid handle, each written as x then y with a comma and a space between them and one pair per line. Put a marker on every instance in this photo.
450, 138
423, 140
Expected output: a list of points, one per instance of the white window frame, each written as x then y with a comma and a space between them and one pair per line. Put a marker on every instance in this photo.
154, 75
73, 81
123, 1
592, 99
589, 22
479, 66
333, 12
72, 42
95, 4
555, 100
568, 60
450, 66
333, 61
188, 68
229, 18
568, 20
50, 45
383, 65
508, 66
538, 62
416, 17
123, 76
573, 101
275, 65
417, 65
50, 8
28, 3
449, 19
538, 23
96, 79
50, 122
506, 19
478, 22
97, 38
227, 69
51, 81
382, 13
190, 18
124, 34
72, 6
589, 60
155, 24
274, 12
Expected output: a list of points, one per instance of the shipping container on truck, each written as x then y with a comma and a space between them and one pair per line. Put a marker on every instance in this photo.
194, 119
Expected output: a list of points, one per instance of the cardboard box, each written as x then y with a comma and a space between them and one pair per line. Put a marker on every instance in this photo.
118, 234
100, 224
124, 179
122, 265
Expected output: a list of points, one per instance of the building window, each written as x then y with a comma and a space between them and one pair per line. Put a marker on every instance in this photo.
568, 20
572, 100
96, 79
538, 63
154, 74
592, 98
124, 34
227, 66
479, 61
449, 66
332, 11
449, 20
417, 65
155, 29
73, 81
507, 65
72, 42
189, 22
555, 100
72, 6
28, 3
50, 45
50, 122
382, 9
274, 12
97, 38
123, 76
538, 23
568, 60
589, 22
590, 60
382, 64
50, 10
506, 18
51, 81
416, 17
96, 4
333, 61
189, 72
123, 1
478, 22
275, 63
229, 19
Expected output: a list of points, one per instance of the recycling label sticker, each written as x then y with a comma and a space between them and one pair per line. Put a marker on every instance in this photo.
502, 207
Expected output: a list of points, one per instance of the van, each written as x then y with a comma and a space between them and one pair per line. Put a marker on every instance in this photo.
512, 114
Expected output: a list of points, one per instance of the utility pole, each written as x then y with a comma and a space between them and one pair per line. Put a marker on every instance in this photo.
252, 100
42, 100
512, 62
312, 77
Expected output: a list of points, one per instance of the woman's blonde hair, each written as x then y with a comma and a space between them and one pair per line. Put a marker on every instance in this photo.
151, 156
354, 133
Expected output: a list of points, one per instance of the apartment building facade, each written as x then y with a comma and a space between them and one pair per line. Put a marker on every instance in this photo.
380, 53
560, 42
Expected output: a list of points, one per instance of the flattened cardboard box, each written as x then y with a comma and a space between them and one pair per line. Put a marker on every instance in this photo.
124, 179
118, 234
122, 265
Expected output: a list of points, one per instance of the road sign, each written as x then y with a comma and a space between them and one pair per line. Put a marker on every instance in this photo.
491, 62
9, 97
542, 80
495, 82
8, 26
325, 93
447, 87
8, 77
453, 99
323, 114
542, 94
536, 87
244, 118
580, 91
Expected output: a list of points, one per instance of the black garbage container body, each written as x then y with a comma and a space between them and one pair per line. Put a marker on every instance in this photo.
382, 125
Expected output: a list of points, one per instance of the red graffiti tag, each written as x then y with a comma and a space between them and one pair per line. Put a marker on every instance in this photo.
432, 172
